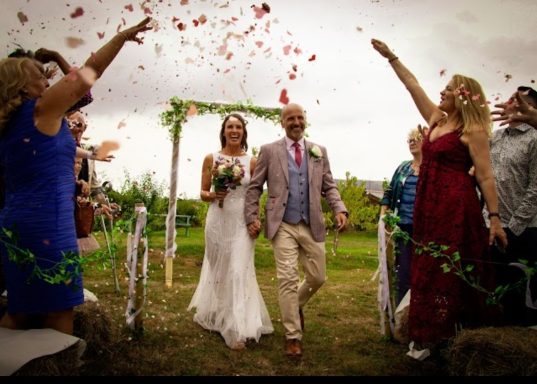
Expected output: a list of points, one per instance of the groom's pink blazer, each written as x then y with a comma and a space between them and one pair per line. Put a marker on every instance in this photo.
272, 167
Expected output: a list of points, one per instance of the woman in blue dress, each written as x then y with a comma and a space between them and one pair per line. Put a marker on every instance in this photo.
37, 154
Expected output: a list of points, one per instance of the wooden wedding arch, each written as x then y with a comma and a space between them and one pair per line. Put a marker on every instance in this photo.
174, 119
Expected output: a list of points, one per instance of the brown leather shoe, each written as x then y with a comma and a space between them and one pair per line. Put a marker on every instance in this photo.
293, 348
301, 318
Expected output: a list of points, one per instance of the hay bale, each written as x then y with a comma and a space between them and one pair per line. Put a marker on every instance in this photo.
63, 363
94, 325
498, 351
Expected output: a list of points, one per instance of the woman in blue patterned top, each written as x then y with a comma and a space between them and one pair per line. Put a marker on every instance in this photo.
399, 199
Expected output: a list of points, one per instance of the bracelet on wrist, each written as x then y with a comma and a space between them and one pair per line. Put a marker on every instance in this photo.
494, 214
393, 59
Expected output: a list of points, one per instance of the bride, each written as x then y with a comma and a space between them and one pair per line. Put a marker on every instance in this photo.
227, 298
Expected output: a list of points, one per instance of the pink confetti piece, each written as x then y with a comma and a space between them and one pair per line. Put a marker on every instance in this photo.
148, 11
283, 97
100, 35
261, 11
73, 42
192, 110
312, 58
476, 97
259, 44
129, 7
121, 124
286, 49
106, 147
292, 76
22, 17
79, 11
297, 51
184, 2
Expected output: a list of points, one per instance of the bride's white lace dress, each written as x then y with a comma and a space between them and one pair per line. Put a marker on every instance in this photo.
227, 298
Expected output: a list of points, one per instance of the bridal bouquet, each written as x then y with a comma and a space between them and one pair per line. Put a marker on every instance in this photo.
227, 174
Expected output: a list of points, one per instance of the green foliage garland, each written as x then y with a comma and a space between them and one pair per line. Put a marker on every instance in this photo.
177, 115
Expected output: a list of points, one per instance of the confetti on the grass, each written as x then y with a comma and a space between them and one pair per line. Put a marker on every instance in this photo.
312, 58
79, 11
73, 42
22, 17
283, 97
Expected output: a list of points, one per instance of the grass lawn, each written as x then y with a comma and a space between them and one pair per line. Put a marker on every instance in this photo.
342, 322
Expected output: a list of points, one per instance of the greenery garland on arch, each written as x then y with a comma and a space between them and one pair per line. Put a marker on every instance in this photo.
182, 109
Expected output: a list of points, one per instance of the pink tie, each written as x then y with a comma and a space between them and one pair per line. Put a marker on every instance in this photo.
298, 154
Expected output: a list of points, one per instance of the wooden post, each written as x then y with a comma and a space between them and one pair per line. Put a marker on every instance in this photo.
170, 219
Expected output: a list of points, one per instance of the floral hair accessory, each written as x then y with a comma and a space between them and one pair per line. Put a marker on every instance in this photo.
315, 152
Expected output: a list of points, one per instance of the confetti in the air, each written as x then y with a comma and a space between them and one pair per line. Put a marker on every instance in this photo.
100, 34
312, 58
442, 72
508, 77
283, 97
79, 11
22, 17
73, 42
129, 7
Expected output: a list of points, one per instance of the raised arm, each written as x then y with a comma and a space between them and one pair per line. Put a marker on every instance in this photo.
525, 113
57, 99
429, 110
46, 56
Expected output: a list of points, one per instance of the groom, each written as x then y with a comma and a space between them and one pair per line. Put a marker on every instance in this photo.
298, 174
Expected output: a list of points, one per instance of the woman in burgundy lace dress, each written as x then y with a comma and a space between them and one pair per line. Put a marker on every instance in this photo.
447, 209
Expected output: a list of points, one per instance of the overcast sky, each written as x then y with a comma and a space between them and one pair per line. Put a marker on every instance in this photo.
356, 106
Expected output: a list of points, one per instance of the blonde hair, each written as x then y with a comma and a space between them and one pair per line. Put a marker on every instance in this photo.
415, 134
471, 104
13, 78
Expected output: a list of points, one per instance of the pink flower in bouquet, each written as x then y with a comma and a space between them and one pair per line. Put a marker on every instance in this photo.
227, 175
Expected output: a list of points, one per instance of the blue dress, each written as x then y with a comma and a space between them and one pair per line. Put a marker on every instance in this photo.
39, 209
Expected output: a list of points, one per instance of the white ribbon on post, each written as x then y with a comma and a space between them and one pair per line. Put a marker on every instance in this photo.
383, 296
132, 260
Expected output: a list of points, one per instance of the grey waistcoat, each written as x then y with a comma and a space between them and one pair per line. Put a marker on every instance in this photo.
298, 203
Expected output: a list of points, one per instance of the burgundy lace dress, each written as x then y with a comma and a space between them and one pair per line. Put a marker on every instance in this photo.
447, 212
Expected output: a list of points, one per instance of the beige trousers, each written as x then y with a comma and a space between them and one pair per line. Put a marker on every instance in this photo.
293, 243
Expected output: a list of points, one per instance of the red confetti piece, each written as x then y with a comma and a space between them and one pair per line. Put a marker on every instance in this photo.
286, 49
181, 26
261, 11
196, 22
79, 11
312, 58
184, 2
22, 17
283, 97
292, 76
227, 70
148, 11
229, 55
129, 7
297, 51
295, 67
100, 34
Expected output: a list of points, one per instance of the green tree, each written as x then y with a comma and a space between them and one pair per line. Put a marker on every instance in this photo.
362, 214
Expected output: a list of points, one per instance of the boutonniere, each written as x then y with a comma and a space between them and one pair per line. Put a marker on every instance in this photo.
316, 153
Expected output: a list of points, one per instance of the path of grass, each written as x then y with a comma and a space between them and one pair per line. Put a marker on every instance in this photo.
342, 323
